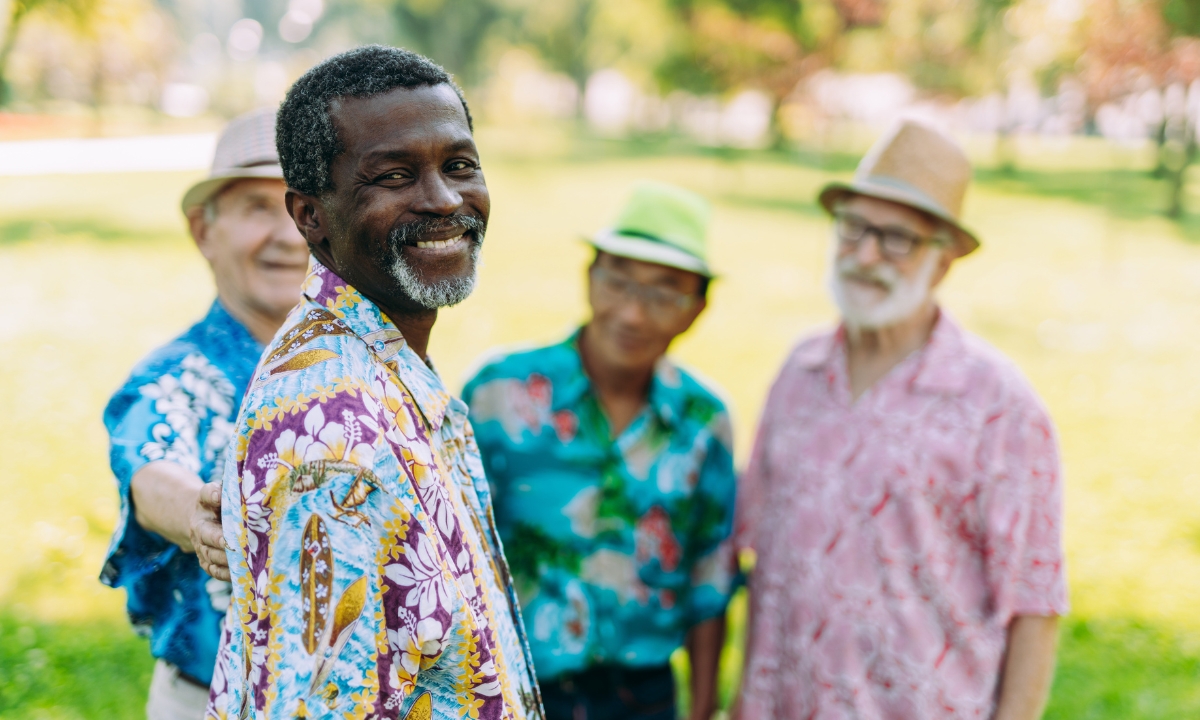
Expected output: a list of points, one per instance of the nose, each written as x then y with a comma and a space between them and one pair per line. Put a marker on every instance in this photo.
867, 251
435, 196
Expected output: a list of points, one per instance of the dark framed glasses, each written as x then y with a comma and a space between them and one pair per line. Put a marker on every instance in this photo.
895, 243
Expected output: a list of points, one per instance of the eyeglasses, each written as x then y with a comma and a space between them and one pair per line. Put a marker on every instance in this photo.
661, 304
895, 243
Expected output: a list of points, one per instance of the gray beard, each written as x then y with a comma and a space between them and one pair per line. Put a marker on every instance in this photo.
436, 295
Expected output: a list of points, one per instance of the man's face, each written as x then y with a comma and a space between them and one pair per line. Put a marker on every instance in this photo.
258, 257
638, 308
407, 215
872, 288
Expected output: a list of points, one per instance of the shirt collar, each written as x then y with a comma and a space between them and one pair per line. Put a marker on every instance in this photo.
381, 336
664, 400
940, 369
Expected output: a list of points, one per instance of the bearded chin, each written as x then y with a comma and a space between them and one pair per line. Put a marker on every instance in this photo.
434, 295
905, 298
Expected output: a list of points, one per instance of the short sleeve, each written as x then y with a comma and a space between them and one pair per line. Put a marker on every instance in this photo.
714, 575
1021, 501
751, 490
147, 420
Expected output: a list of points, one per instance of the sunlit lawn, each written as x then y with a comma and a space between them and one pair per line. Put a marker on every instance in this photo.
1094, 295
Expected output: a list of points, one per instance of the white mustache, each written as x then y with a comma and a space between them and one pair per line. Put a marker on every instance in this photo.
848, 268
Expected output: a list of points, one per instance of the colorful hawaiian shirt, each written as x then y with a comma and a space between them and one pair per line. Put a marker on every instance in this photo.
178, 405
896, 535
368, 579
618, 546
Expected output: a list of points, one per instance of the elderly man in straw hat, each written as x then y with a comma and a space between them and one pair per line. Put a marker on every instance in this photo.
903, 499
169, 424
613, 480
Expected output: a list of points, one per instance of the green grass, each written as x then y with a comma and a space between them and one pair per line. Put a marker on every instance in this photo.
1106, 669
72, 670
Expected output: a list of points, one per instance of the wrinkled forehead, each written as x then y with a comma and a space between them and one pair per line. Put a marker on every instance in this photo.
886, 212
401, 120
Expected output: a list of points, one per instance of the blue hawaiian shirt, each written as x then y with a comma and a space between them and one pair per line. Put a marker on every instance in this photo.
179, 405
617, 546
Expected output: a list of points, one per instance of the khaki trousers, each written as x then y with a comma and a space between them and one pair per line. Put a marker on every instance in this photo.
172, 697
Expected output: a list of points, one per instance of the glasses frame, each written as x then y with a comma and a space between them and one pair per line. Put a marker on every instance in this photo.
883, 234
661, 304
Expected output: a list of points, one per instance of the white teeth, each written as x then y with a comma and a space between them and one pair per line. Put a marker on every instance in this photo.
429, 244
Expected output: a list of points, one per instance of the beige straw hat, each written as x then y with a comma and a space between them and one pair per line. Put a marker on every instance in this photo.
915, 165
246, 149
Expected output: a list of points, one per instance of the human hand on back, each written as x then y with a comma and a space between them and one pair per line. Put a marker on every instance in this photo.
205, 532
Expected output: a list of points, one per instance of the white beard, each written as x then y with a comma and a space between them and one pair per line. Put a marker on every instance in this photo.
860, 310
437, 295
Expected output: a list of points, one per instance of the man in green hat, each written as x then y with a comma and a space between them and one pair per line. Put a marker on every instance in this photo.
612, 477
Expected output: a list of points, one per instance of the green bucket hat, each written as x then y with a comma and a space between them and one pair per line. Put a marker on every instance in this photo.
662, 224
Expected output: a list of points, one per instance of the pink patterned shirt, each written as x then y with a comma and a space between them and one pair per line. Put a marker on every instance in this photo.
898, 535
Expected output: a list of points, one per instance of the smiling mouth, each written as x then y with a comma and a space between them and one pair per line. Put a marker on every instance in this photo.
440, 244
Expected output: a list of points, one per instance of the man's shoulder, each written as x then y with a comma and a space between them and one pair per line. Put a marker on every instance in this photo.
520, 363
984, 374
699, 390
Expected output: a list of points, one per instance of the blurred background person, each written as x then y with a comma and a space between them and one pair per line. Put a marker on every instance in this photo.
904, 494
612, 476
170, 423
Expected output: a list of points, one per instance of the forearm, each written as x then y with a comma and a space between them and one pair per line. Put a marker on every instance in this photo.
704, 643
164, 497
1028, 667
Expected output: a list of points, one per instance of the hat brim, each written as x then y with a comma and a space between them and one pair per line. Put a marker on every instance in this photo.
202, 191
965, 240
647, 250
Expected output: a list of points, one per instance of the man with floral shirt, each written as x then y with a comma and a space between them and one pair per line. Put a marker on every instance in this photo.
170, 423
904, 495
613, 478
368, 580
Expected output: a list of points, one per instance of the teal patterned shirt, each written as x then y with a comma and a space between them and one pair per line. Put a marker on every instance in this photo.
617, 546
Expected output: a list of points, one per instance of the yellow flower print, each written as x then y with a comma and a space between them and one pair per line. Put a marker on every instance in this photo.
322, 393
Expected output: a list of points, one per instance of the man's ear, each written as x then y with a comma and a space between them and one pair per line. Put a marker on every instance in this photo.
308, 213
198, 227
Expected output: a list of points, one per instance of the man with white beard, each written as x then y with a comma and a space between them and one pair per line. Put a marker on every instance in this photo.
903, 499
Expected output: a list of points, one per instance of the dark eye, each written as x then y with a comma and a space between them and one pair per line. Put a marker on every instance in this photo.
459, 165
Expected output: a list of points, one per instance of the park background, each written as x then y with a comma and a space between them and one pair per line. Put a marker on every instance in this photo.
1080, 116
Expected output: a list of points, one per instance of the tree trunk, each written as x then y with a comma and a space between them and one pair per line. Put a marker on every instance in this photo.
10, 39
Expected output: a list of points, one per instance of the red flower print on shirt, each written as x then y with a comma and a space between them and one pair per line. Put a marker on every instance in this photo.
566, 424
656, 541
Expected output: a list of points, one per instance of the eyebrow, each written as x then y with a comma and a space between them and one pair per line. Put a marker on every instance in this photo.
400, 154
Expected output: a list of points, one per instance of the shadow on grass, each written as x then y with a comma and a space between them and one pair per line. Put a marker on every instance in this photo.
21, 230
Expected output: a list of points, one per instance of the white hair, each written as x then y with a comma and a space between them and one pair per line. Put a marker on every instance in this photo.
904, 295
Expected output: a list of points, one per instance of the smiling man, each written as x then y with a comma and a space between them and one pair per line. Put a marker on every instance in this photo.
368, 578
904, 494
170, 423
612, 470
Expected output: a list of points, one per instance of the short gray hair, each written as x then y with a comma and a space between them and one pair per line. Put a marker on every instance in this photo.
304, 133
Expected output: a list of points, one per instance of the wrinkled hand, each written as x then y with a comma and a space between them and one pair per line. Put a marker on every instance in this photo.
205, 532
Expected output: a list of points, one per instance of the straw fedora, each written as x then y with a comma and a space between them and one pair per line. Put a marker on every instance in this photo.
915, 165
246, 149
662, 224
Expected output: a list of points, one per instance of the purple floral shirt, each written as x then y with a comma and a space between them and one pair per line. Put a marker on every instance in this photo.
368, 579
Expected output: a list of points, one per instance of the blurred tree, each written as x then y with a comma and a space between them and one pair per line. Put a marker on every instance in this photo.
78, 11
453, 33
